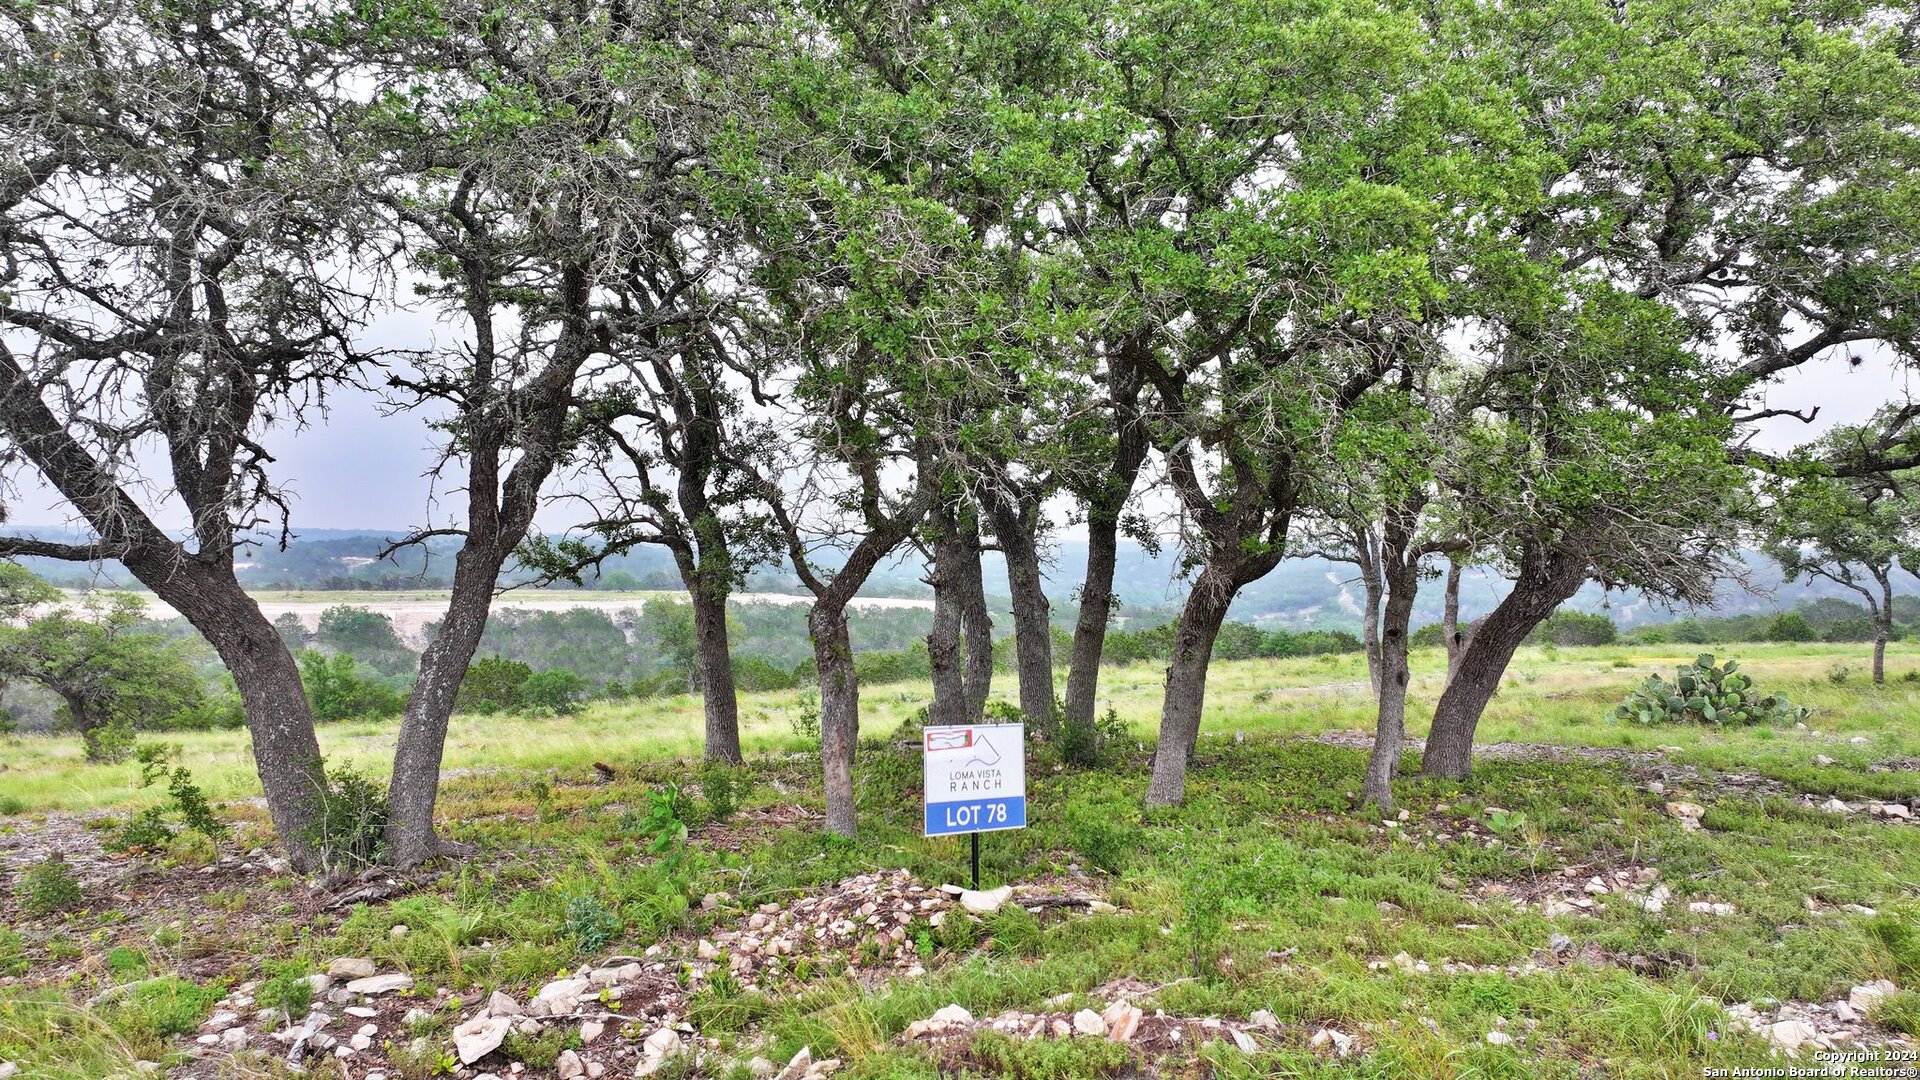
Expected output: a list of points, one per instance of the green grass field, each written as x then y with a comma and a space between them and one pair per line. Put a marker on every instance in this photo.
1267, 892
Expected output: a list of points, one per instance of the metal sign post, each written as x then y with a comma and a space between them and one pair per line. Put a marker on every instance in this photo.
975, 781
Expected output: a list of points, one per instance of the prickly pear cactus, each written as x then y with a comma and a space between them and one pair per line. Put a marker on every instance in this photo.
1706, 692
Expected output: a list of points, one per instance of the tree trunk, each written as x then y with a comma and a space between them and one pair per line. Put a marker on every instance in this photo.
1882, 623
1535, 596
1390, 730
1200, 619
1032, 625
1369, 559
943, 642
1450, 635
713, 661
415, 784
1096, 612
286, 752
839, 711
975, 620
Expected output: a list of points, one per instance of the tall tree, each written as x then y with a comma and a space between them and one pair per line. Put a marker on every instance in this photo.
1767, 204
172, 246
542, 162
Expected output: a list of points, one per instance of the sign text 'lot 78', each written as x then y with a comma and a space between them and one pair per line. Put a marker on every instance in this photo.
976, 778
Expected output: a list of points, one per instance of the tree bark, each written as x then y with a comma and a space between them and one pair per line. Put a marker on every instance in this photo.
944, 647
1882, 622
1401, 579
1450, 633
414, 787
1096, 612
1369, 557
1546, 580
1200, 619
975, 620
1014, 528
839, 712
713, 661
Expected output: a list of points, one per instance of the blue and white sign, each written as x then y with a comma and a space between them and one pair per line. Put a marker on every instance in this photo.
976, 778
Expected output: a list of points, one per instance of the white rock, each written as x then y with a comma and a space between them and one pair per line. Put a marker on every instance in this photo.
761, 1069
1101, 907
501, 1004
8, 1070
1088, 1022
1790, 1034
797, 1067
1499, 1038
380, 984
351, 967
1244, 1041
987, 901
1835, 806
1339, 1041
1264, 1018
361, 1042
221, 1019
319, 984
568, 1066
1702, 907
561, 990
1892, 810
1123, 1019
361, 1011
590, 1030
663, 1043
951, 1014
399, 930
1858, 740
1865, 996
1822, 759
479, 1037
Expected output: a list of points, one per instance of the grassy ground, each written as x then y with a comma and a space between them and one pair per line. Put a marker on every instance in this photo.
1268, 890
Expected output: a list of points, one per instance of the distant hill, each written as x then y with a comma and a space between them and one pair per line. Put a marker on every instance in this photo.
1300, 594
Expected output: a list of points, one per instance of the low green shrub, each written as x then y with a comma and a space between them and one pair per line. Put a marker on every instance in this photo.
48, 889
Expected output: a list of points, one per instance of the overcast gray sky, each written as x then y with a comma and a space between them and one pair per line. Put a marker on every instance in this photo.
360, 469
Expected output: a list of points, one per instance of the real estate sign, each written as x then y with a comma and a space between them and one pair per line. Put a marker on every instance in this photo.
976, 778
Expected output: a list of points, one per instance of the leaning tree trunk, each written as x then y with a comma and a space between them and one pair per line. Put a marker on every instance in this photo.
1186, 694
415, 785
713, 663
1090, 627
839, 711
286, 752
1032, 624
1535, 596
1390, 729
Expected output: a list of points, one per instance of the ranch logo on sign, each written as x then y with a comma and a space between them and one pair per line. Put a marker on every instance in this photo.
976, 778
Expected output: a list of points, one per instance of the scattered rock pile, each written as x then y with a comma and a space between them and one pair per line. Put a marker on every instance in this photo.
1799, 1027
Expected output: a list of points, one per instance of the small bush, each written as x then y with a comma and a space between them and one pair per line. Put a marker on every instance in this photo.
540, 1051
350, 829
1791, 626
721, 787
48, 888
1705, 692
1103, 833
1838, 674
805, 717
108, 744
493, 684
558, 690
590, 923
289, 989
